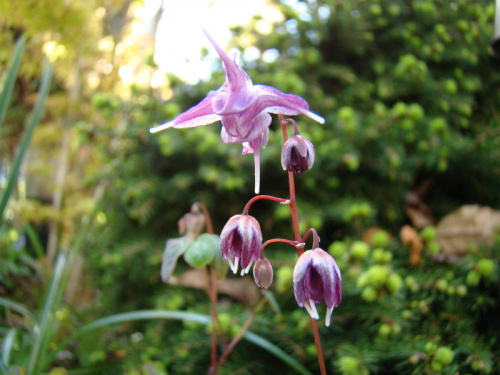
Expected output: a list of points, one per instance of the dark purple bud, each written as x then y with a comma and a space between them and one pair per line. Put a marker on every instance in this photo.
316, 277
241, 240
297, 154
263, 273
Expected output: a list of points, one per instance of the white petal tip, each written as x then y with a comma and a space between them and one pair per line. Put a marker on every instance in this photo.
315, 117
311, 309
161, 127
257, 180
245, 271
329, 312
233, 266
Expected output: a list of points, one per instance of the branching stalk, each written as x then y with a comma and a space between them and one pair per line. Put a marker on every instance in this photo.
300, 250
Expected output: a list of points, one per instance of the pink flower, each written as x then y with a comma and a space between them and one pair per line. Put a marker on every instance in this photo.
243, 108
316, 276
241, 240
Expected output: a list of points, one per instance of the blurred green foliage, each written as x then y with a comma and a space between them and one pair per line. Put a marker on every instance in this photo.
410, 94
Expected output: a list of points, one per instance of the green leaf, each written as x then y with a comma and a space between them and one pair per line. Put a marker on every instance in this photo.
23, 146
58, 371
277, 352
17, 307
16, 370
182, 315
45, 322
8, 344
3, 367
15, 61
200, 252
174, 248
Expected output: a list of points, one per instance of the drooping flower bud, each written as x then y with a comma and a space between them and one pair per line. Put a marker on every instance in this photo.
191, 224
263, 273
316, 276
297, 154
241, 240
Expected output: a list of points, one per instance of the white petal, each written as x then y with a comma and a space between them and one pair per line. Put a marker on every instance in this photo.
245, 271
328, 316
233, 266
311, 309
315, 117
161, 127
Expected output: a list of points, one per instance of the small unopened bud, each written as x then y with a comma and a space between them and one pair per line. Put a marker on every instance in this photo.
263, 273
297, 154
191, 224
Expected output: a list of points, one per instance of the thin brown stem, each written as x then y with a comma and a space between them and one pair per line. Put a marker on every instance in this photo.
238, 337
293, 210
213, 297
206, 215
319, 349
212, 293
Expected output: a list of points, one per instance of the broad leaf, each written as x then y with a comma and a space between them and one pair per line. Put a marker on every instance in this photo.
174, 248
200, 252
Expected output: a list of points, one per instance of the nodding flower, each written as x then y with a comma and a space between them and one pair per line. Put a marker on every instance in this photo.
316, 277
297, 154
243, 109
240, 241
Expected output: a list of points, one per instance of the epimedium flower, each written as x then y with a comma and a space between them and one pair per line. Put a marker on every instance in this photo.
316, 277
243, 109
240, 241
297, 154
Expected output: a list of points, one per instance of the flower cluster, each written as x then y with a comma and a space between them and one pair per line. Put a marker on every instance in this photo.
316, 275
243, 109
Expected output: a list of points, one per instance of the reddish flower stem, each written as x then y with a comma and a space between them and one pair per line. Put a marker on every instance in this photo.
319, 348
259, 197
316, 238
238, 337
206, 215
213, 289
300, 251
212, 293
293, 243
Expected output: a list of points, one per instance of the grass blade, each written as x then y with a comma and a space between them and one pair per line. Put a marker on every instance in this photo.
43, 329
15, 61
277, 352
57, 289
7, 345
183, 315
3, 367
17, 307
34, 240
23, 146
